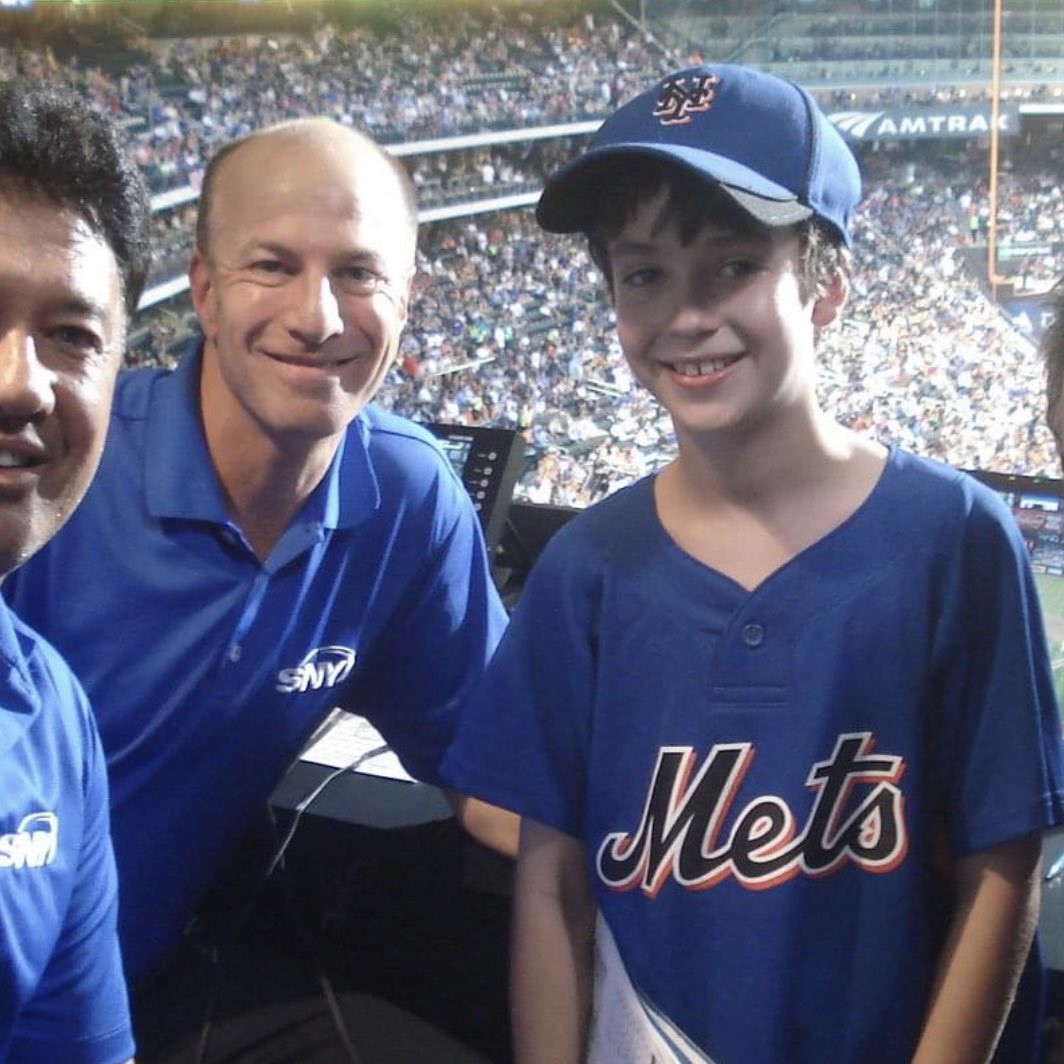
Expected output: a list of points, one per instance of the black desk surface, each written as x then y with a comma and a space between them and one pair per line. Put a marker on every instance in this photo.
361, 800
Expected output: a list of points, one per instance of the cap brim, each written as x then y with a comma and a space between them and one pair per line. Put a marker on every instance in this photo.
567, 204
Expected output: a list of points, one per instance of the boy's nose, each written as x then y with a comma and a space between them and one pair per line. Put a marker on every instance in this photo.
698, 307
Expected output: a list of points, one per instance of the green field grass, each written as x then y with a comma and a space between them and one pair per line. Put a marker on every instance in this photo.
1051, 592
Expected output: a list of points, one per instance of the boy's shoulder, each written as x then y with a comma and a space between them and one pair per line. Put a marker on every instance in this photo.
627, 516
617, 531
933, 486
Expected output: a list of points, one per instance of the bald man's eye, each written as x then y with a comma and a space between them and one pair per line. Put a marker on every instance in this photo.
361, 280
269, 266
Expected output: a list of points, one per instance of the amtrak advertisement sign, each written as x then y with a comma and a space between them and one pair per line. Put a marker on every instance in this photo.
926, 123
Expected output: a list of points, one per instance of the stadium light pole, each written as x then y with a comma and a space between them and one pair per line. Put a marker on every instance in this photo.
995, 113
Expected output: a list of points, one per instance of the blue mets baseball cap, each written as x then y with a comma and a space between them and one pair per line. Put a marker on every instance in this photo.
762, 139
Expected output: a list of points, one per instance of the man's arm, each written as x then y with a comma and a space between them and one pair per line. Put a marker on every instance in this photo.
551, 966
989, 938
496, 828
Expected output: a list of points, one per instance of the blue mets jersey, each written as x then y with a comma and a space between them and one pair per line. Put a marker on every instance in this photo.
771, 784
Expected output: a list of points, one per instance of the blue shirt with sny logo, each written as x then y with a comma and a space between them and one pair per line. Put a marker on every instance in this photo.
62, 994
208, 669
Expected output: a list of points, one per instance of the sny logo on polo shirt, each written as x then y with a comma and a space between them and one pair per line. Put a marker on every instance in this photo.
678, 102
322, 667
35, 843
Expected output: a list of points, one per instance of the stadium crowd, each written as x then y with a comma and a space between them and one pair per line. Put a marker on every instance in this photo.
472, 71
416, 77
510, 327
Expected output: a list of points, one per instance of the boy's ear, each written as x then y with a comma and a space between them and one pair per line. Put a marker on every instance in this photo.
831, 299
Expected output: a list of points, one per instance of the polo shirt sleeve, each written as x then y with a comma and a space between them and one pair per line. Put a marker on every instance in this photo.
79, 1013
995, 740
438, 641
524, 739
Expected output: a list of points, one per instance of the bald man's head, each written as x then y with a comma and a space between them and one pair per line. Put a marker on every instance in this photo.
304, 141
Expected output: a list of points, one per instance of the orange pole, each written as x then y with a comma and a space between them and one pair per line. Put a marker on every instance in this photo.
995, 112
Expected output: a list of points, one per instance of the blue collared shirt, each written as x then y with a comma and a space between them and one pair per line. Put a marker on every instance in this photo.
208, 668
62, 992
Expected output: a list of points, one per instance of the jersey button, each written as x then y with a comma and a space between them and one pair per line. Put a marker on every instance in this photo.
753, 635
234, 653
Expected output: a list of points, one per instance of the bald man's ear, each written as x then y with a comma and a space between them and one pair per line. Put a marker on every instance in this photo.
201, 287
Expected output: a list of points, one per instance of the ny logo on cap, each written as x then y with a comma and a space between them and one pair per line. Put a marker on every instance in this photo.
678, 102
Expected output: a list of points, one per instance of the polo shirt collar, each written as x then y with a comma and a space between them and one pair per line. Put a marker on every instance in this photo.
19, 699
181, 481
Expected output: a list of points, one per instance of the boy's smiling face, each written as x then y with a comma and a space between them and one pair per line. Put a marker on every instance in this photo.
717, 325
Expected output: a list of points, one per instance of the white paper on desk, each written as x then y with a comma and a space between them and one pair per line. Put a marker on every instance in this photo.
343, 738
625, 1028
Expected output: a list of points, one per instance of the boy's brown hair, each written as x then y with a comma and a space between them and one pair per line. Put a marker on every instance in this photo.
692, 204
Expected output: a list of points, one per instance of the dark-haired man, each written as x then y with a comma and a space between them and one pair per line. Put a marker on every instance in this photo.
275, 529
73, 258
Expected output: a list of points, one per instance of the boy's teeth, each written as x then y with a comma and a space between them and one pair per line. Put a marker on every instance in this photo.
10, 461
698, 369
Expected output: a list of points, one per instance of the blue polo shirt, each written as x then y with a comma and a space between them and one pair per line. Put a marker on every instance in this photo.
62, 993
208, 668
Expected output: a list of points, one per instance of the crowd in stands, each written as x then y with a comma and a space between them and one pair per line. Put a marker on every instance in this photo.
1031, 216
474, 71
416, 78
510, 327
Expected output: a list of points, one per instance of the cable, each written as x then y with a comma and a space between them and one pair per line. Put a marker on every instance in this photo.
277, 861
308, 800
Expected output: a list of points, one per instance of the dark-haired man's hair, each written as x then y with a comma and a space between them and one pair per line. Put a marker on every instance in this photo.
56, 148
691, 204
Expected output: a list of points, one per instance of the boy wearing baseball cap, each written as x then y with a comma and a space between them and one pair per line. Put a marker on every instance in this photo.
779, 717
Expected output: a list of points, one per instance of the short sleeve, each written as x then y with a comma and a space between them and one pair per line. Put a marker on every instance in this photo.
437, 644
79, 1013
996, 738
524, 739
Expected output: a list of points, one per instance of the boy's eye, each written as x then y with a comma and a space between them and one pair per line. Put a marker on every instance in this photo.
268, 266
739, 268
641, 278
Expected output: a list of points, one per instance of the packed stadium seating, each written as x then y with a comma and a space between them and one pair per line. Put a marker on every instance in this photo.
510, 326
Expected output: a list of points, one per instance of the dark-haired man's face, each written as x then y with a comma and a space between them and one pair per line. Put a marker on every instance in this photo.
62, 327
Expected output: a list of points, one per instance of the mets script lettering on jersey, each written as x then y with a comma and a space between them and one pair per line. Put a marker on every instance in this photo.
35, 843
322, 667
679, 100
857, 817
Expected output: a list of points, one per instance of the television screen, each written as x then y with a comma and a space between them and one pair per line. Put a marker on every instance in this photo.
457, 449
